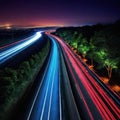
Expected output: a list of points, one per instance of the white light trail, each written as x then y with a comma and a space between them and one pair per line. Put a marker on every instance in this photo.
5, 55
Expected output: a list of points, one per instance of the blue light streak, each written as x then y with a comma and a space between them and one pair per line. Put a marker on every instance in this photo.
46, 105
5, 55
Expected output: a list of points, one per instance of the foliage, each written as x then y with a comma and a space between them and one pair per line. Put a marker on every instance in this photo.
104, 60
100, 43
14, 81
83, 47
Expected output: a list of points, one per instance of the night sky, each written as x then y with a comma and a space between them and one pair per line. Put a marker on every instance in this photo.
58, 12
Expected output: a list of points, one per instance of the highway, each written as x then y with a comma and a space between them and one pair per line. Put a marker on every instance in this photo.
92, 97
11, 50
47, 101
50, 97
54, 99
69, 109
65, 89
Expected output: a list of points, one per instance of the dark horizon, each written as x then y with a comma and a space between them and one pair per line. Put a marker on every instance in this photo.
58, 12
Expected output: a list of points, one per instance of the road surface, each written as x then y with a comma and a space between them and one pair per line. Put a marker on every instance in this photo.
54, 99
92, 97
68, 106
67, 89
47, 101
51, 96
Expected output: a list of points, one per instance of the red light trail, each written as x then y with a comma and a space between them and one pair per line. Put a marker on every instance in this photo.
106, 107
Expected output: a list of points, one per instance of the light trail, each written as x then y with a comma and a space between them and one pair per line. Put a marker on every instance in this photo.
2, 48
10, 52
98, 103
47, 102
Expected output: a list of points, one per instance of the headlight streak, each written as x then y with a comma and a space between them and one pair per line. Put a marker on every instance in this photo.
5, 55
47, 102
2, 48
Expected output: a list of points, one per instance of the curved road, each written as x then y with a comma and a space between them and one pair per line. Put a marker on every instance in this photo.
47, 102
68, 106
92, 98
51, 97
67, 89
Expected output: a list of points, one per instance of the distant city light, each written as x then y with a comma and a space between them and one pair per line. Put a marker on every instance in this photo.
8, 26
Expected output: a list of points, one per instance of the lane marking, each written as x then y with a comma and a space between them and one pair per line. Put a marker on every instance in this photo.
52, 71
60, 97
51, 93
38, 89
43, 108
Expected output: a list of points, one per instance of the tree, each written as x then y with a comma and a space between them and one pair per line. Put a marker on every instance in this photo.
110, 64
9, 72
91, 52
31, 61
76, 39
105, 60
24, 70
83, 47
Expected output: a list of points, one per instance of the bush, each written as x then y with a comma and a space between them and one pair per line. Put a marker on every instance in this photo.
14, 81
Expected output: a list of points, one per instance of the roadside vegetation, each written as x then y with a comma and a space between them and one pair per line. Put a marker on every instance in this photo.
99, 45
14, 81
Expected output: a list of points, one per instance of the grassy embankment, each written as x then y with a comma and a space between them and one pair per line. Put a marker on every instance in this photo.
13, 82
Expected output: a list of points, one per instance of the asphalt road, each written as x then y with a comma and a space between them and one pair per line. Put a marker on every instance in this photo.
43, 101
54, 99
47, 101
65, 88
92, 99
50, 96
